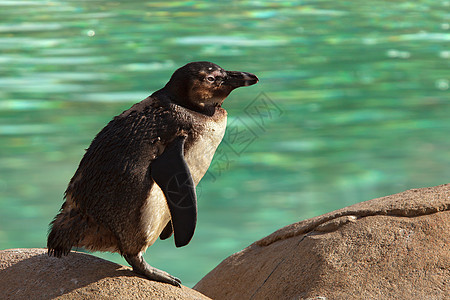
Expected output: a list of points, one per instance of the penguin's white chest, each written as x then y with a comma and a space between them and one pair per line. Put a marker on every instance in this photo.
200, 153
198, 158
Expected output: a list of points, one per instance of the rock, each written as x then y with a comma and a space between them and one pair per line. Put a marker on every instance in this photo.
31, 274
395, 247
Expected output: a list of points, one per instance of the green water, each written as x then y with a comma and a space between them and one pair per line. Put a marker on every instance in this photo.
353, 104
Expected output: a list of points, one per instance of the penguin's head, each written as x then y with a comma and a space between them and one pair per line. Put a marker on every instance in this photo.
202, 86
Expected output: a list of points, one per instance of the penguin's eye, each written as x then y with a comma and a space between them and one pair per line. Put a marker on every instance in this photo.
210, 78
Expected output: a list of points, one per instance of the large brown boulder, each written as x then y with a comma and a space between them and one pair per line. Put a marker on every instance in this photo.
395, 247
31, 274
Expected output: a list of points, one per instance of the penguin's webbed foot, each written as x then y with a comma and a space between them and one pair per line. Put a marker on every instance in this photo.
140, 266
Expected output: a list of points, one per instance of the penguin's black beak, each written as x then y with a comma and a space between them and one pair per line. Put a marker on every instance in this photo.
236, 79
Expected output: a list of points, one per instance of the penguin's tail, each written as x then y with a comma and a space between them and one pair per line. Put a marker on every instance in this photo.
75, 228
66, 230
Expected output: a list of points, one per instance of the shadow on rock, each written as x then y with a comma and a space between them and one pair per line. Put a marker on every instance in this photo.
32, 274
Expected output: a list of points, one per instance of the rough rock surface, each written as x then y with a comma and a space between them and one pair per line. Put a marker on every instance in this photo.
395, 247
31, 274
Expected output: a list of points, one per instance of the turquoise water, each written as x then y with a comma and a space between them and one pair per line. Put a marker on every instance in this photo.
353, 103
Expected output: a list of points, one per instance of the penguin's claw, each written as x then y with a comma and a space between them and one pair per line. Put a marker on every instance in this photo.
140, 266
162, 276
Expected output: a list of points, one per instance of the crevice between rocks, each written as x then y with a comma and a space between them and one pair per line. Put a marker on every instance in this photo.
286, 233
276, 267
268, 276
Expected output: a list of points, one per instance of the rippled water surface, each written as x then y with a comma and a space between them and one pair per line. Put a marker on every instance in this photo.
352, 104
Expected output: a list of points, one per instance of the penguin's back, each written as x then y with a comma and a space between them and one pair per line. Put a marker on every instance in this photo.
113, 186
116, 163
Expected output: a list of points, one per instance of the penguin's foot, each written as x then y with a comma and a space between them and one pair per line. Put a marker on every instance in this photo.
140, 266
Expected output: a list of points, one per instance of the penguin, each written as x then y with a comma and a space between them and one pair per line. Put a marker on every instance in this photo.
136, 181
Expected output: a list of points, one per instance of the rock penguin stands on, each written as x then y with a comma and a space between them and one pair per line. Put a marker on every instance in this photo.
137, 179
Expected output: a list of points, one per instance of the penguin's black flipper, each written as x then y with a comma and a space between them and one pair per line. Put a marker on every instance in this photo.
167, 231
171, 172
